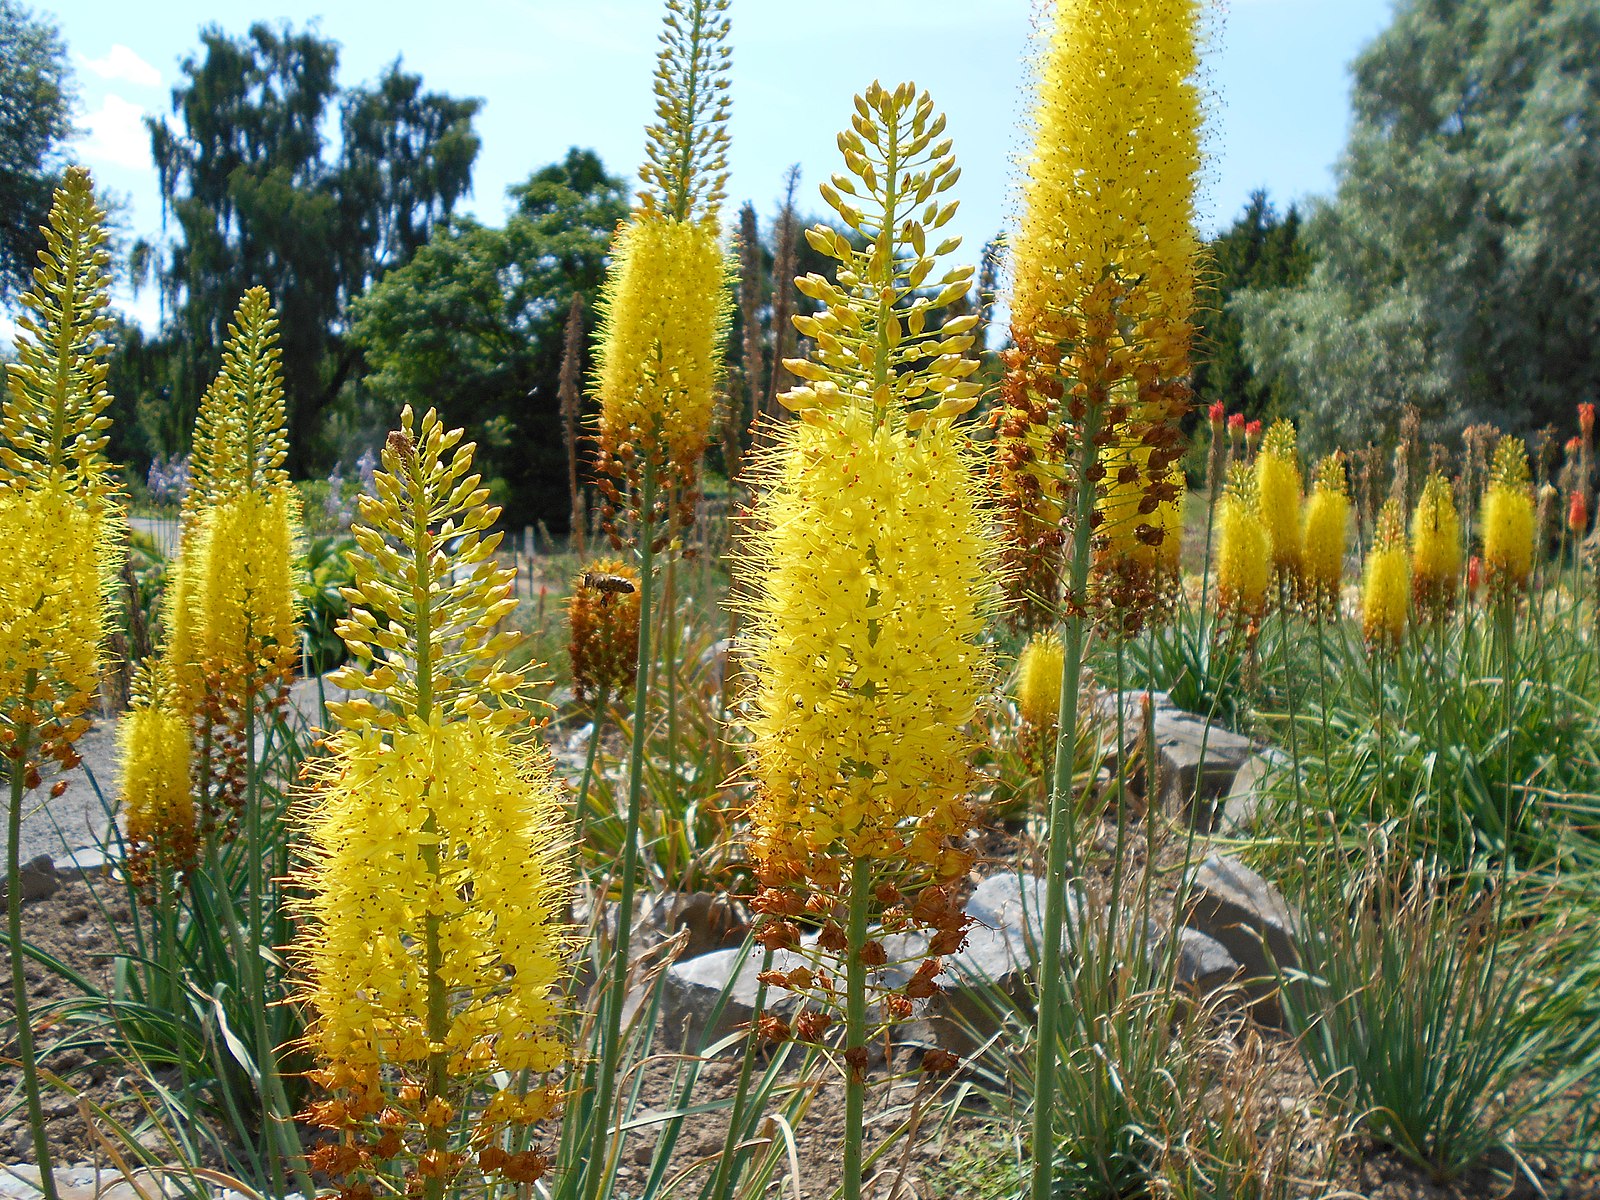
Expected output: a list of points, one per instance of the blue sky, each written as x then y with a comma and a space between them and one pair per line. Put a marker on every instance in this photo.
558, 73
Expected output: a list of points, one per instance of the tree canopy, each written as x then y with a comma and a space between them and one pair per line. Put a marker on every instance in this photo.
1259, 250
1457, 267
35, 118
255, 196
474, 324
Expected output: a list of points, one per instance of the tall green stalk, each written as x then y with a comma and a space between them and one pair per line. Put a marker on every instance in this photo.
855, 1041
582, 804
611, 1035
19, 978
1061, 833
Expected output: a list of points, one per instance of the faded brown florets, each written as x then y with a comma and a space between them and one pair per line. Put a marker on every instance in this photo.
603, 623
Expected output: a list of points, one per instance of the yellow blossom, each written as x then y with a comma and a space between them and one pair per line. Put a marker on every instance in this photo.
871, 573
1243, 559
57, 493
1039, 679
53, 617
1039, 695
1508, 519
1385, 585
1323, 534
1436, 550
1104, 274
666, 304
664, 315
875, 578
436, 864
231, 612
158, 806
1278, 498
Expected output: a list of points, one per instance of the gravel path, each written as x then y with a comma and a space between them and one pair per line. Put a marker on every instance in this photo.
78, 817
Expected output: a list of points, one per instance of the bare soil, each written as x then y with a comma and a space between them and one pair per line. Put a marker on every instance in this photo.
951, 1156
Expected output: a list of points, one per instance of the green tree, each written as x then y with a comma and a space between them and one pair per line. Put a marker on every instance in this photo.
1260, 250
256, 198
1457, 266
35, 118
474, 324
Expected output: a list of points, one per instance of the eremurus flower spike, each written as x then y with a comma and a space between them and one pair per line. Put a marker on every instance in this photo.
1244, 556
59, 507
1323, 535
232, 606
58, 499
1278, 499
1436, 550
1508, 520
1104, 262
870, 577
666, 304
435, 878
1385, 586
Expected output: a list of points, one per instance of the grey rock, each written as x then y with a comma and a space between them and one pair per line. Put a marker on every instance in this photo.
1241, 810
990, 981
692, 990
1196, 765
37, 879
1253, 922
1196, 760
1204, 964
86, 862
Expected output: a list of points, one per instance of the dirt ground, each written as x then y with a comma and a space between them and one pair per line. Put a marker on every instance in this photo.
947, 1158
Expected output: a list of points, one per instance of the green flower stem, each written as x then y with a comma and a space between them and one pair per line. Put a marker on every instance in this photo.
1061, 831
730, 1143
611, 1043
19, 979
855, 1079
669, 665
438, 994
582, 814
274, 1099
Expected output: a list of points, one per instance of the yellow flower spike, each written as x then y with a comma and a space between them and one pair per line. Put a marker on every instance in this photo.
1436, 549
871, 573
60, 511
246, 602
1508, 520
436, 866
1385, 585
1323, 536
158, 807
53, 617
1039, 679
54, 425
1039, 694
1243, 555
667, 303
231, 609
58, 499
1278, 498
1104, 264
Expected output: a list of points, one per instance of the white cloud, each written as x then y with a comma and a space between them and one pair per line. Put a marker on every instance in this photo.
122, 63
115, 134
